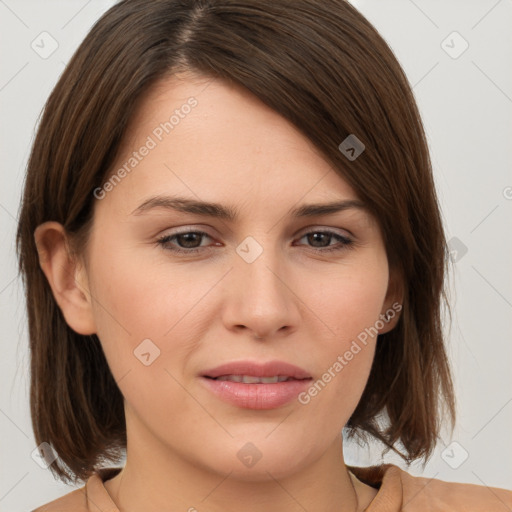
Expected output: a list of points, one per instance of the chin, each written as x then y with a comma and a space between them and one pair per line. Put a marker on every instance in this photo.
261, 459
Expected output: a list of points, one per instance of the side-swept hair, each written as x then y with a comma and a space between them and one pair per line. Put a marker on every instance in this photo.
322, 66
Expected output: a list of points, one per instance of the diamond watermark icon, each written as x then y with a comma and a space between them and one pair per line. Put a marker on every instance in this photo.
146, 352
44, 45
44, 455
454, 45
351, 147
457, 249
249, 249
249, 454
454, 455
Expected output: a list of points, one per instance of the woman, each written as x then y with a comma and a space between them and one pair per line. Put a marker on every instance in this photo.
232, 250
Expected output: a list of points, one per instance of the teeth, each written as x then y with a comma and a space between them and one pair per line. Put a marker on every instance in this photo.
232, 378
250, 379
269, 380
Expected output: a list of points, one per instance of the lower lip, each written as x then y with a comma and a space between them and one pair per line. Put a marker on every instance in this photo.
256, 396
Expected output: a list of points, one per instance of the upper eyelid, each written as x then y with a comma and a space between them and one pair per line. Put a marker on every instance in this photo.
307, 229
302, 232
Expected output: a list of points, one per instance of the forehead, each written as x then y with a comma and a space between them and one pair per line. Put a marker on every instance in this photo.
216, 141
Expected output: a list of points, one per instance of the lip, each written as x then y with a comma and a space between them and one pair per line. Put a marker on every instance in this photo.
258, 395
267, 369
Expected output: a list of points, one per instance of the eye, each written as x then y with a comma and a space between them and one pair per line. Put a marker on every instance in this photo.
321, 241
189, 242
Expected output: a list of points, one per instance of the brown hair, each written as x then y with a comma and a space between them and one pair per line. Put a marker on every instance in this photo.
322, 66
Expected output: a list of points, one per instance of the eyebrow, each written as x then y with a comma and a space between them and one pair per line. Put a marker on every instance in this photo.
230, 214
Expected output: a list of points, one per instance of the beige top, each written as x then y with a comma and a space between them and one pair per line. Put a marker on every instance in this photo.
397, 491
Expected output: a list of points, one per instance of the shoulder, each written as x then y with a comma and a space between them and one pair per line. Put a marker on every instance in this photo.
421, 494
75, 501
91, 497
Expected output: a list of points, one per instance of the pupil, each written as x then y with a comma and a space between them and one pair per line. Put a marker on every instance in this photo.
316, 237
189, 238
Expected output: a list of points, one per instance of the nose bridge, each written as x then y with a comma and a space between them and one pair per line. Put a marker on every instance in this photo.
263, 301
258, 267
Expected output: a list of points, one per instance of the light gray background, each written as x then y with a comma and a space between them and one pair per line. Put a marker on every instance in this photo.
466, 104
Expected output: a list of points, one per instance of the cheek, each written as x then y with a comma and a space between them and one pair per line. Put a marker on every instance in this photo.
347, 300
349, 306
144, 330
343, 367
151, 316
138, 294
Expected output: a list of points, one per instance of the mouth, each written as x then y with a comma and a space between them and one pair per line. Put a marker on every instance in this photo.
253, 379
253, 372
252, 385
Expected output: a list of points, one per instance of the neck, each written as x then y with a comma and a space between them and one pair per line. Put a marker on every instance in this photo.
157, 479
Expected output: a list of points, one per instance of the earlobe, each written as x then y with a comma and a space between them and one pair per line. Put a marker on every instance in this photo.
66, 277
393, 303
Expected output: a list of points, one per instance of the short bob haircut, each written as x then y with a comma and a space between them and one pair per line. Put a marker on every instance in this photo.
323, 67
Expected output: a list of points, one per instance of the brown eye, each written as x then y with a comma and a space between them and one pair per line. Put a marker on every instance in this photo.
186, 242
321, 241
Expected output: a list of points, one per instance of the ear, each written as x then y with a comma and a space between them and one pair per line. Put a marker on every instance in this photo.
393, 303
67, 277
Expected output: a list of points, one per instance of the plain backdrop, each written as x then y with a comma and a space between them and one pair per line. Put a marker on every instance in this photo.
457, 56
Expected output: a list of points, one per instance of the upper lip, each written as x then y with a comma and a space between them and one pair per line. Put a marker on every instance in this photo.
256, 369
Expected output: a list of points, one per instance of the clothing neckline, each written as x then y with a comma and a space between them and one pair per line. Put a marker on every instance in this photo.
385, 478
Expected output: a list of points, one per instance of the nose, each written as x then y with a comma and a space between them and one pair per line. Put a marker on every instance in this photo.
262, 297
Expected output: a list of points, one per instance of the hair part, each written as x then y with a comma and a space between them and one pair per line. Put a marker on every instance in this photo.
323, 67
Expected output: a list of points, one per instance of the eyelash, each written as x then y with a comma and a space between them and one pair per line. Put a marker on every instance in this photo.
347, 243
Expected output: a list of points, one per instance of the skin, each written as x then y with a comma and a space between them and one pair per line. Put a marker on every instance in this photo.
205, 309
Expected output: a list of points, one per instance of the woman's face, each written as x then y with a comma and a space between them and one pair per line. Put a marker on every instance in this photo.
167, 318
